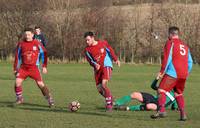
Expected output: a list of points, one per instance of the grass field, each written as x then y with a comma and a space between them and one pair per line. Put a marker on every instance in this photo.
70, 82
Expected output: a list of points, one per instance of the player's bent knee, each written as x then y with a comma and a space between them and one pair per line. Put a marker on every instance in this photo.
18, 82
151, 107
104, 81
177, 94
161, 90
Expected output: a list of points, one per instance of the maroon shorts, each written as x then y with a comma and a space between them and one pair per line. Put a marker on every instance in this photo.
32, 72
103, 73
168, 83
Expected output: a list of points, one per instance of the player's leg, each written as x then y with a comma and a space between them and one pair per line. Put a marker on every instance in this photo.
18, 91
100, 90
148, 100
174, 106
170, 100
35, 74
105, 92
140, 107
151, 106
46, 93
98, 80
167, 83
108, 95
139, 96
125, 99
107, 71
20, 77
120, 103
179, 88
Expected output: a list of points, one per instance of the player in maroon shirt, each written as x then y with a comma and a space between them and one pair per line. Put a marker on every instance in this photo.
26, 64
176, 66
100, 55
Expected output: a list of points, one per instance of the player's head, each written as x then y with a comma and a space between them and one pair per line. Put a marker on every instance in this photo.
37, 30
173, 31
28, 34
89, 37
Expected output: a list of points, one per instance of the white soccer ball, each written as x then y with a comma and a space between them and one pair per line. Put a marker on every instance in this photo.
74, 106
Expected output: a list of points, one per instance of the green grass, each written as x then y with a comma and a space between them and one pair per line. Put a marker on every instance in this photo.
70, 82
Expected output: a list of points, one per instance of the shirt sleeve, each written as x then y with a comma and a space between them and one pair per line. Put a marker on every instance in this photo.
44, 41
90, 58
17, 61
190, 61
110, 49
43, 55
167, 57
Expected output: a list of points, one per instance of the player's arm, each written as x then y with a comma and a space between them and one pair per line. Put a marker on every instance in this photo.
91, 61
43, 54
167, 58
44, 41
190, 61
17, 61
112, 53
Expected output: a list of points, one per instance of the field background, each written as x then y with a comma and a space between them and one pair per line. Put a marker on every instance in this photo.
70, 82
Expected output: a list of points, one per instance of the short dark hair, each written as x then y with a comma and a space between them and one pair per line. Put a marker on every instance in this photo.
88, 34
29, 29
37, 27
173, 30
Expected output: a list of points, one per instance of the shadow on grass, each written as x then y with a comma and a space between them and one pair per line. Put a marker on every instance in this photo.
63, 110
45, 108
12, 104
99, 111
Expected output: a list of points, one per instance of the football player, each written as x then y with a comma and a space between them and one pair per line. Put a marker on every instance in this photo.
100, 55
26, 64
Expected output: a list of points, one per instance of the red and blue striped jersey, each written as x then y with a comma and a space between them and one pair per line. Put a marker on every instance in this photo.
29, 53
177, 61
101, 54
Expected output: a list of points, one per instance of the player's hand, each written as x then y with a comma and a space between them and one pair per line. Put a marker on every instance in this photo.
118, 63
15, 72
160, 75
44, 70
97, 67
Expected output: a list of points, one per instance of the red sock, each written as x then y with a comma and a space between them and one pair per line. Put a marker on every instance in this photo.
181, 103
161, 101
107, 94
109, 100
106, 91
18, 91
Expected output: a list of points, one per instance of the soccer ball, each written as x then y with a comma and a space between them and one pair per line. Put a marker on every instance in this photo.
74, 106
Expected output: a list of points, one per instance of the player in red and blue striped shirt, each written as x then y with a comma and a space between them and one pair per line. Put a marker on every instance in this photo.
26, 64
176, 66
100, 55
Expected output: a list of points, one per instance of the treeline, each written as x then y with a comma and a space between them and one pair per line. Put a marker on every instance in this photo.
136, 31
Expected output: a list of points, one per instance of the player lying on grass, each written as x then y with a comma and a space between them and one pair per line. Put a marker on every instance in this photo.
149, 101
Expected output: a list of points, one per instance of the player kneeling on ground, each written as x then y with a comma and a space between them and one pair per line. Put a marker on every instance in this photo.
27, 58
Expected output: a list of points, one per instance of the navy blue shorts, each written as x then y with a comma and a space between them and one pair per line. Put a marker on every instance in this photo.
148, 98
